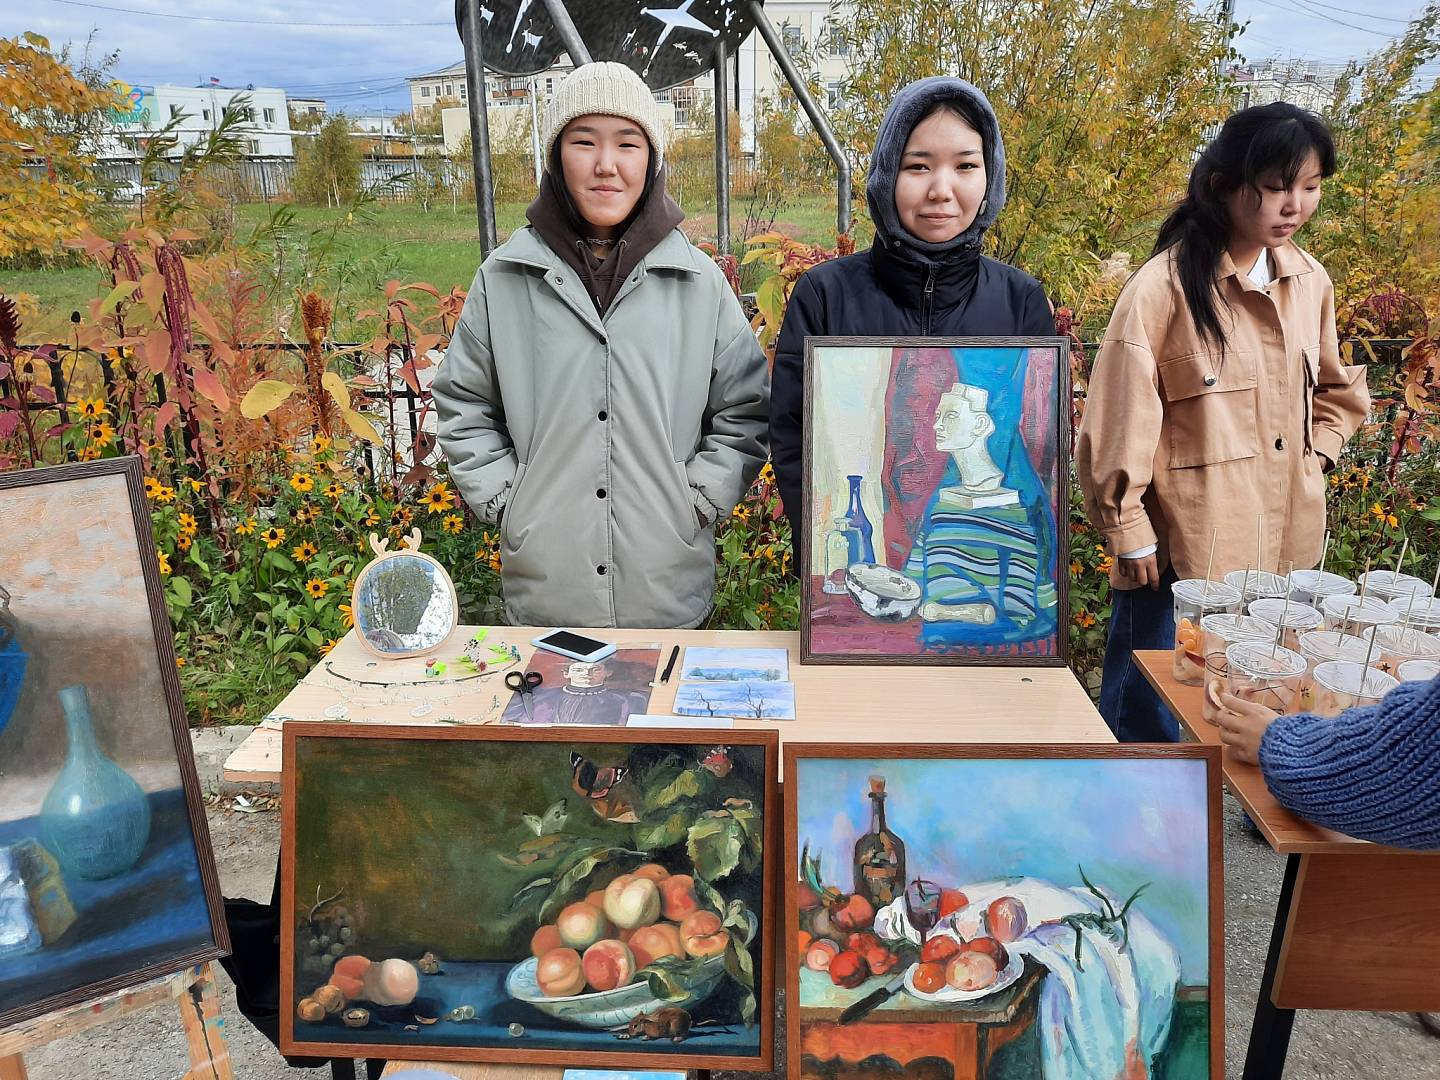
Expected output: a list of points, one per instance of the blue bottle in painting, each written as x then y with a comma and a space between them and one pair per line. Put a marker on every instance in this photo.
12, 661
860, 523
96, 819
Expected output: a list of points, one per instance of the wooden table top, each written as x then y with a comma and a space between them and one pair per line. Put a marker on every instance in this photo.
834, 703
1286, 833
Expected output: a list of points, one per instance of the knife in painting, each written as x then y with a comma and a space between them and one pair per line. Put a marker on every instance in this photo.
879, 997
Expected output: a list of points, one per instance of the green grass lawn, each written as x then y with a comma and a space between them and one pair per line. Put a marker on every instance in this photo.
390, 240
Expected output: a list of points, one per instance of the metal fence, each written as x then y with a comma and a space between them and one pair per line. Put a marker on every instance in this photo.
263, 179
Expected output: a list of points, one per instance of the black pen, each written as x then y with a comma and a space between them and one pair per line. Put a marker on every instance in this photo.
670, 666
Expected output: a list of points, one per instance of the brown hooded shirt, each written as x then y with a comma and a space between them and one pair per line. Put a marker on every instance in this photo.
554, 216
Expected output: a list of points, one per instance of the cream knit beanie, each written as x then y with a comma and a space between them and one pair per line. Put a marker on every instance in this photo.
609, 89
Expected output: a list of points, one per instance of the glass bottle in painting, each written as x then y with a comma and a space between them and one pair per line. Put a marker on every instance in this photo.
860, 522
96, 818
842, 545
879, 854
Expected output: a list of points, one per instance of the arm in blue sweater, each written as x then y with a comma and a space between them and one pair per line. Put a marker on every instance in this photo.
1371, 772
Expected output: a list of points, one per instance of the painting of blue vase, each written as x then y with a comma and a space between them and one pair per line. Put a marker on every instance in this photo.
96, 820
107, 880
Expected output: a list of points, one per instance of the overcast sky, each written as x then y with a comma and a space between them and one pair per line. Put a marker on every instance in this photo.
333, 49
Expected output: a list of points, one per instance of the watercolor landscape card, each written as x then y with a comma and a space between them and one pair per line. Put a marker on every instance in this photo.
969, 911
749, 700
735, 665
532, 898
106, 874
934, 484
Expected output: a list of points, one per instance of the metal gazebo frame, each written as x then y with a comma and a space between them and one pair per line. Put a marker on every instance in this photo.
472, 35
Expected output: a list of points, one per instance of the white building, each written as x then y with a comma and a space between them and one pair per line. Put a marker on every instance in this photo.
1300, 82
447, 86
509, 124
813, 34
307, 106
199, 109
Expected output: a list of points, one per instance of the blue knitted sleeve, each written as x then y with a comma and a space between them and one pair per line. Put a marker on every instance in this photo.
1371, 772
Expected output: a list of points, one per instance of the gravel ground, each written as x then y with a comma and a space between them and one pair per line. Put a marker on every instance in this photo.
150, 1046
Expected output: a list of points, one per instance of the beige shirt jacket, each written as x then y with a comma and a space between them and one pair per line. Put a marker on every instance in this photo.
1180, 438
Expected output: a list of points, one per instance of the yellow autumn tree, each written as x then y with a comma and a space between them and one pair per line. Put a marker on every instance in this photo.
45, 175
1102, 104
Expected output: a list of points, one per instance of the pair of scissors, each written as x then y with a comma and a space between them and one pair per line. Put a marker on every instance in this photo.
524, 685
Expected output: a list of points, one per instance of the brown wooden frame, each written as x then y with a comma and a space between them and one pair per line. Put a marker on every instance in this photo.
1062, 496
130, 469
796, 752
769, 741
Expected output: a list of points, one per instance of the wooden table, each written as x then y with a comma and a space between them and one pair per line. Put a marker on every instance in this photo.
833, 702
843, 703
1357, 925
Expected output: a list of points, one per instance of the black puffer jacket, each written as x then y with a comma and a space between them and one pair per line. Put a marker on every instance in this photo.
896, 290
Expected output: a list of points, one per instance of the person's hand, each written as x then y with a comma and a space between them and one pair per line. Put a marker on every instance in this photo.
1242, 725
1143, 571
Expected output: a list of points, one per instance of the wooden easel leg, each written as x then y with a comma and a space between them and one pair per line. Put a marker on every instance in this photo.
204, 1030
12, 1068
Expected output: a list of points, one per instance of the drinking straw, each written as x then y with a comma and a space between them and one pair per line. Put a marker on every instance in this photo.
1359, 604
1284, 612
1260, 545
1210, 565
1403, 549
1436, 583
1325, 553
1368, 653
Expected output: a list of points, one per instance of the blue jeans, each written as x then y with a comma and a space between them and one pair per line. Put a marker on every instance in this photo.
1141, 618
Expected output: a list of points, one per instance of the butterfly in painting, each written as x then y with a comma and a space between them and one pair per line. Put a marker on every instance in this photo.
604, 787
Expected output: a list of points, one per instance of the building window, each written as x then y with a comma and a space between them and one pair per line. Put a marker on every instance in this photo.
174, 111
462, 91
792, 39
839, 43
833, 99
254, 145
205, 113
270, 117
449, 89
425, 91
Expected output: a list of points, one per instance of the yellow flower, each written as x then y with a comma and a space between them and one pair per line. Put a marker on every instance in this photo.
188, 524
164, 561
1377, 511
371, 518
439, 499
1104, 565
307, 514
246, 527
196, 486
741, 513
453, 523
1084, 619
330, 644
167, 494
1392, 521
90, 453
183, 541
92, 409
347, 616
273, 537
302, 482
495, 562
179, 661
402, 516
153, 488
334, 490
1076, 568
100, 433
317, 588
770, 552
306, 551
321, 444
767, 471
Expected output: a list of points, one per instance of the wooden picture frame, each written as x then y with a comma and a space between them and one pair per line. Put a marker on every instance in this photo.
409, 549
454, 759
91, 515
998, 1021
895, 615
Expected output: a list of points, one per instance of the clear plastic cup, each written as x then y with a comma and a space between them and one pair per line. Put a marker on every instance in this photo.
1218, 633
1265, 674
1341, 685
1395, 644
1388, 585
1423, 614
1320, 647
1255, 584
1418, 670
1298, 618
1352, 616
1313, 586
1194, 599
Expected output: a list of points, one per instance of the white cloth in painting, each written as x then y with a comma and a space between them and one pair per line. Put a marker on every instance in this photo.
1105, 1019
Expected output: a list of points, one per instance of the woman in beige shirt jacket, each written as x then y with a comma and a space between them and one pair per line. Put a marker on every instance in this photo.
1218, 395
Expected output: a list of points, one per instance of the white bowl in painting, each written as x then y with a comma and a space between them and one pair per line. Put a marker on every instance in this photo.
607, 1008
881, 592
950, 996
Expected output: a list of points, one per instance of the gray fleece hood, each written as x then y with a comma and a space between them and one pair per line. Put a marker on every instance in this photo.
905, 111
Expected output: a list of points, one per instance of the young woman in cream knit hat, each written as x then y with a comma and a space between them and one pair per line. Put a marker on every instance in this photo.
603, 397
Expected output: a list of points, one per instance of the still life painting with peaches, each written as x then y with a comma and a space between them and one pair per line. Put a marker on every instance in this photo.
532, 898
1002, 917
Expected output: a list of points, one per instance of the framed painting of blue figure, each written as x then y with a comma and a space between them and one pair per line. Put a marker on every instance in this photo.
935, 472
106, 873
